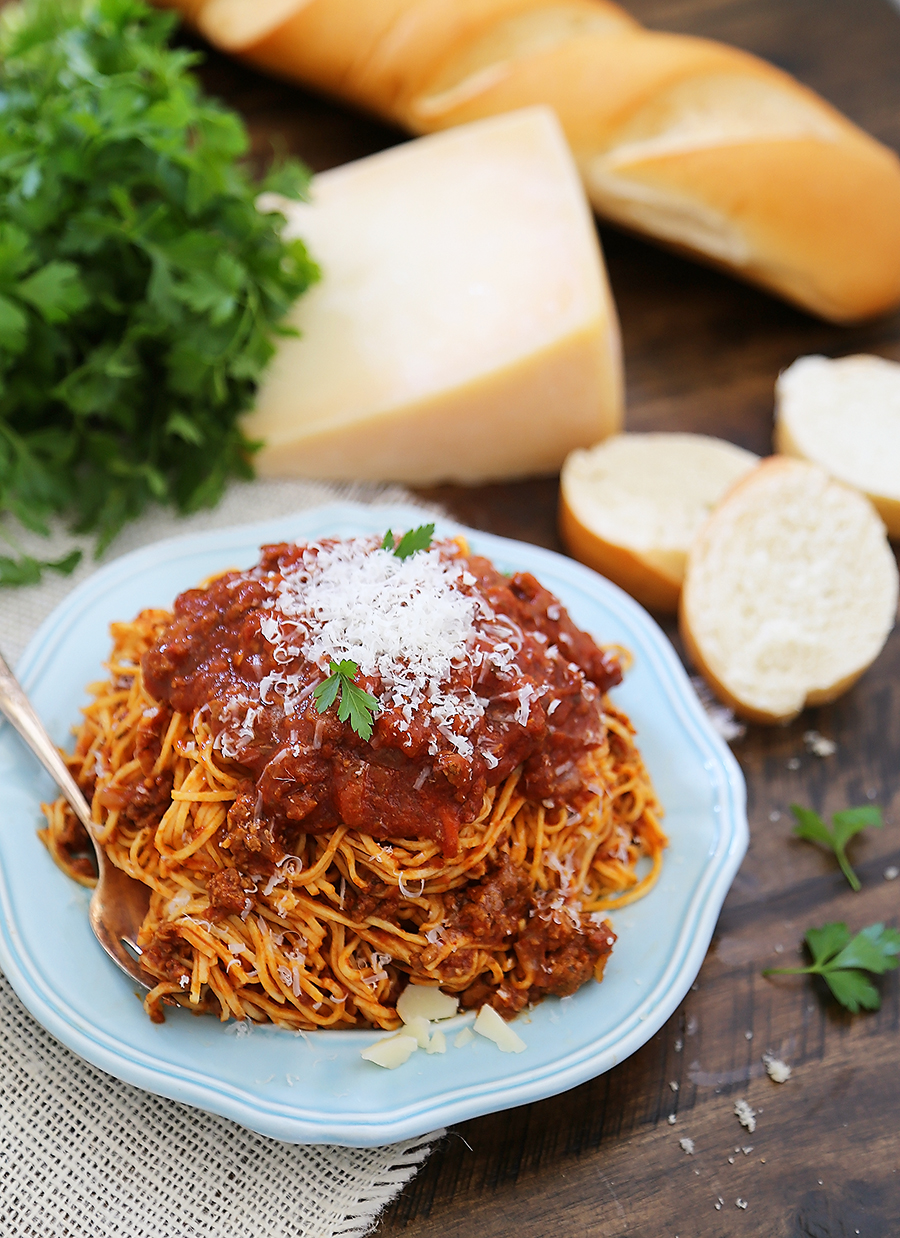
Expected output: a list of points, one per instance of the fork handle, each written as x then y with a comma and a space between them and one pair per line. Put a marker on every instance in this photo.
18, 709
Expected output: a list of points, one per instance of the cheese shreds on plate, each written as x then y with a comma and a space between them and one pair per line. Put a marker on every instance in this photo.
490, 1024
391, 1052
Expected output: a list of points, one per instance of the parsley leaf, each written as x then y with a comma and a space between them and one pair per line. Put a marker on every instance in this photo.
357, 705
27, 571
140, 286
841, 960
845, 825
410, 542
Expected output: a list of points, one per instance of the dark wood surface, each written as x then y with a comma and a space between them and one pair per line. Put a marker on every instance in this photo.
702, 353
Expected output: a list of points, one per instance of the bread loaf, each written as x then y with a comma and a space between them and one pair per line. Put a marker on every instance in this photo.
790, 591
845, 416
631, 507
699, 145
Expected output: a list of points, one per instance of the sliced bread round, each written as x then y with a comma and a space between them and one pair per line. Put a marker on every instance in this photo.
631, 506
790, 591
845, 416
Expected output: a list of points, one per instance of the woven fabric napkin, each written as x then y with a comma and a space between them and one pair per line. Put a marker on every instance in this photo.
83, 1155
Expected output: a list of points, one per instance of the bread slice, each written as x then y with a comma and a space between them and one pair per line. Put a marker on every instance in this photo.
631, 506
790, 591
845, 416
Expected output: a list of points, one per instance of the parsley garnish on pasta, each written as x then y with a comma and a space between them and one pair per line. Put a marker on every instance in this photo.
410, 542
354, 703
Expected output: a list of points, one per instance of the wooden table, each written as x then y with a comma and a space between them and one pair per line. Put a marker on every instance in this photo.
702, 353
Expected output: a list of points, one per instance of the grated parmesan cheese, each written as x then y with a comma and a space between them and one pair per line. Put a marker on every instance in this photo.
407, 623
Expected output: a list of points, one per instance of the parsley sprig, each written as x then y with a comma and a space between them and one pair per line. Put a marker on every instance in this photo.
355, 704
845, 825
841, 960
140, 287
410, 542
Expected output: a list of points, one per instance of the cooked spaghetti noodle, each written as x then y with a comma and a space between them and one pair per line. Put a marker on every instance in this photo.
495, 841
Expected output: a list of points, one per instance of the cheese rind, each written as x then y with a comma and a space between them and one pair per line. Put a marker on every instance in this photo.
463, 328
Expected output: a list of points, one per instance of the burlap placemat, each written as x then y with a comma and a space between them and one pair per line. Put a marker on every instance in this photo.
83, 1155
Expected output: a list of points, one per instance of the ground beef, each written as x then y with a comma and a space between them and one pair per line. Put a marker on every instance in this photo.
489, 912
168, 956
149, 800
556, 947
150, 735
559, 950
226, 894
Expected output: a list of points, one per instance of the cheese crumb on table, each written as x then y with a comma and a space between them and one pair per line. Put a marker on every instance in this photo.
778, 1071
745, 1115
686, 1145
818, 745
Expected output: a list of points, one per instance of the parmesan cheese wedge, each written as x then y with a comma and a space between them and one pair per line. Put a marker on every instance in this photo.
463, 329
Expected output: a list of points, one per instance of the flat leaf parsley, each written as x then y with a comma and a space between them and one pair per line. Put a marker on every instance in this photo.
355, 704
844, 825
140, 288
410, 542
841, 960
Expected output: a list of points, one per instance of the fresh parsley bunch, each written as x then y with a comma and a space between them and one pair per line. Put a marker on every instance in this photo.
140, 288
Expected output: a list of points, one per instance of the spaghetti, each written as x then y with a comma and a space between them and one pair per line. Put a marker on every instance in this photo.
302, 875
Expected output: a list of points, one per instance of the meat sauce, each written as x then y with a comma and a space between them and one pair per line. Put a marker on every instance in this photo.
307, 772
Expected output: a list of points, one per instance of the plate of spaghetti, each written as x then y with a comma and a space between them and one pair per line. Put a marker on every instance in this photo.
353, 759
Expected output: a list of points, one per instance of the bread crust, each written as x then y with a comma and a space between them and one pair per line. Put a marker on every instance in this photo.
805, 204
740, 708
647, 585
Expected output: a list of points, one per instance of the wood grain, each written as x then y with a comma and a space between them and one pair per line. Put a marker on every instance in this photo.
702, 353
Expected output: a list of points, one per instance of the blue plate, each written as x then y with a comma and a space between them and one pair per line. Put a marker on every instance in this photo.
316, 1088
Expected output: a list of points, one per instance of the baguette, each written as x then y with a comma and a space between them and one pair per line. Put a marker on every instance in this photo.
845, 416
790, 591
701, 146
631, 506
